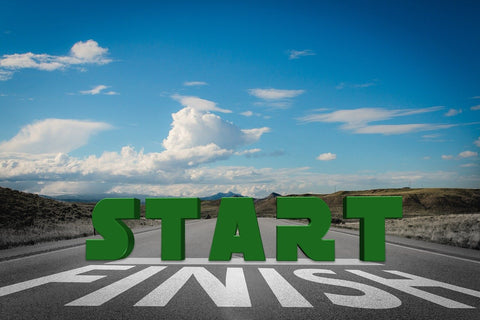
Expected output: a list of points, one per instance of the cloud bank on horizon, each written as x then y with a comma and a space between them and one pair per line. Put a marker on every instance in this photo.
327, 103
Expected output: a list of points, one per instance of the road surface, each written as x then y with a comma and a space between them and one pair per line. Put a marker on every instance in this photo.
413, 283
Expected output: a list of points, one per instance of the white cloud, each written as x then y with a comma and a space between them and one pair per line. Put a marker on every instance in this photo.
475, 108
364, 85
461, 155
426, 158
343, 85
468, 165
275, 98
39, 153
400, 128
199, 104
5, 75
327, 156
88, 52
467, 154
52, 136
295, 54
194, 83
477, 142
248, 152
99, 90
95, 90
250, 113
453, 112
431, 136
357, 120
159, 174
193, 127
274, 94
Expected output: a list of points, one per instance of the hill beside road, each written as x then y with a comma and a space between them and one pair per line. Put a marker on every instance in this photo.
449, 216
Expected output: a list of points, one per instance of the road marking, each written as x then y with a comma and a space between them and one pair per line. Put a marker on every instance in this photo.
109, 292
414, 249
72, 276
407, 285
287, 295
233, 294
372, 298
241, 261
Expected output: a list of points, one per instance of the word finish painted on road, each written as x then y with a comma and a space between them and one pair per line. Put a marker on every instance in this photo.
235, 292
237, 228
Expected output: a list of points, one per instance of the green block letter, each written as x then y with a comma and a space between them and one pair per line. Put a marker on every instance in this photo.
308, 238
372, 212
118, 240
173, 212
237, 214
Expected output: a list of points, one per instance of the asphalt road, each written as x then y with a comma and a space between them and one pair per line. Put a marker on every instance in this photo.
48, 286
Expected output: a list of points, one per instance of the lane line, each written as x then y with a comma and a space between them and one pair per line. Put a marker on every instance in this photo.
415, 249
286, 294
109, 292
240, 261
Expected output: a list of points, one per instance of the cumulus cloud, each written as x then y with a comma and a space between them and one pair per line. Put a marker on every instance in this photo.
358, 120
81, 53
453, 112
39, 153
52, 136
89, 51
327, 156
194, 83
296, 54
447, 157
192, 127
475, 108
477, 142
131, 172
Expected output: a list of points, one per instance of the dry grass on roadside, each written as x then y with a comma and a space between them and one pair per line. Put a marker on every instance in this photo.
461, 230
29, 235
11, 237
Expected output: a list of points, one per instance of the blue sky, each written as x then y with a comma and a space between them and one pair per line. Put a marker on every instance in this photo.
194, 98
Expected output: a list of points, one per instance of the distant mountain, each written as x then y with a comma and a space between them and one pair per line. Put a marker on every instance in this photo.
221, 195
273, 195
94, 198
